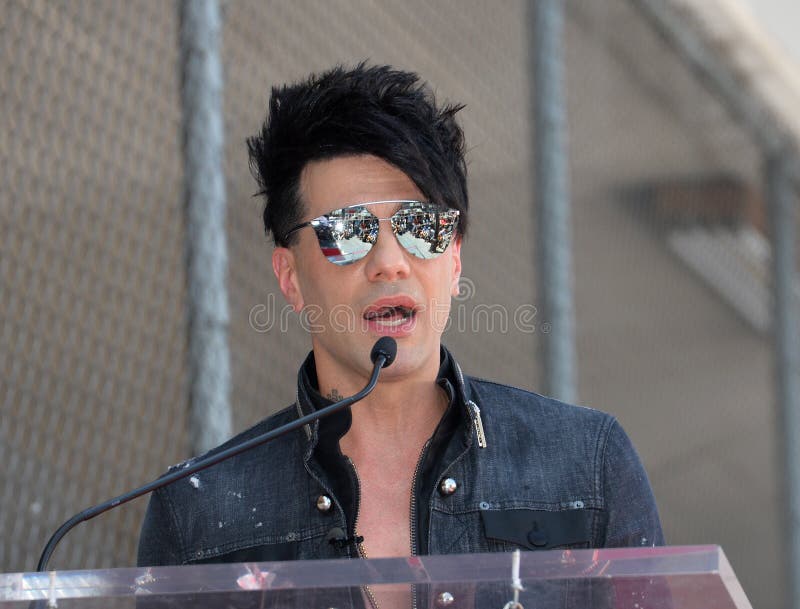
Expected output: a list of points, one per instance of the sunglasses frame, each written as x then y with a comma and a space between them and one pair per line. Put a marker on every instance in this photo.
405, 203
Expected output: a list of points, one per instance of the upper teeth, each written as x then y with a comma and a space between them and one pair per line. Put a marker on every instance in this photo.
386, 312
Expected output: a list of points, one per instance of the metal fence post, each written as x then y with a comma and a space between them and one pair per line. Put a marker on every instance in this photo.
554, 240
206, 245
781, 201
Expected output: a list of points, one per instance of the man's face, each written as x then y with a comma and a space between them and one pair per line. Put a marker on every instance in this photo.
389, 292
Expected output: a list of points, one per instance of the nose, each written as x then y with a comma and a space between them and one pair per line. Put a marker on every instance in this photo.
387, 261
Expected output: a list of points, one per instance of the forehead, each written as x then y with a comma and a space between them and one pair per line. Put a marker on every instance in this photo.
347, 180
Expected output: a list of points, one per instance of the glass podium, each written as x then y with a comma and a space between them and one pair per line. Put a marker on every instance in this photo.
631, 578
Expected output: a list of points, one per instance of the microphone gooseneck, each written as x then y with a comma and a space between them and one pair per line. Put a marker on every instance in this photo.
382, 355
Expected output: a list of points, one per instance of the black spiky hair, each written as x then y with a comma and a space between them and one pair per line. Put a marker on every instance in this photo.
375, 110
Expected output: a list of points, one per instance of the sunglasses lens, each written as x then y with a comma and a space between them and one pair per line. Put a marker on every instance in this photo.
425, 230
346, 235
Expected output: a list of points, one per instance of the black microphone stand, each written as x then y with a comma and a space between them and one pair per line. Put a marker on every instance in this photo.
382, 355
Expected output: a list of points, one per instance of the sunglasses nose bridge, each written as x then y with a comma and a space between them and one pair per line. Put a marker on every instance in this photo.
387, 258
390, 219
381, 230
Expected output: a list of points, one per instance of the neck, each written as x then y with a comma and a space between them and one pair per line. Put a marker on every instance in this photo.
399, 412
394, 422
400, 408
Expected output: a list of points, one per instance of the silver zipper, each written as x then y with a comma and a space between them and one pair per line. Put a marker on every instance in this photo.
360, 547
413, 515
412, 503
358, 505
475, 412
476, 419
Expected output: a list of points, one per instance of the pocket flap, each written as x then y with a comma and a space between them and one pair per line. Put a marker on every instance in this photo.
539, 529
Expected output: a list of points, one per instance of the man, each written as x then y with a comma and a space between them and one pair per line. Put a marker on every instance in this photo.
366, 199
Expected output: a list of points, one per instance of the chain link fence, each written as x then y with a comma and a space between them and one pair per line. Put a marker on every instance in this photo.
91, 289
671, 254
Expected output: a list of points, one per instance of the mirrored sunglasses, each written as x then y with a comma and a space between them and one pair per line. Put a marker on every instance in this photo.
346, 235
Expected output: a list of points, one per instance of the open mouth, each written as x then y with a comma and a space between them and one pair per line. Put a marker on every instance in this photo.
391, 316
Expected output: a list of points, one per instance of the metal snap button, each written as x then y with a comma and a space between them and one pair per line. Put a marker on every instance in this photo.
444, 599
324, 503
448, 486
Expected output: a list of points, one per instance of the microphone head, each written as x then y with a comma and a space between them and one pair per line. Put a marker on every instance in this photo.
385, 346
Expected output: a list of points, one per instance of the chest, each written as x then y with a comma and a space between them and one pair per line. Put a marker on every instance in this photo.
385, 509
384, 518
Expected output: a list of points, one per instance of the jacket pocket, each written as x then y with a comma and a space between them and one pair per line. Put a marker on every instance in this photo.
539, 529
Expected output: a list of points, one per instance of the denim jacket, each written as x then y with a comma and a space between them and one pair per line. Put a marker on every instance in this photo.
505, 469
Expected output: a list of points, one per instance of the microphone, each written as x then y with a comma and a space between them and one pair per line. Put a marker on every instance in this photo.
385, 347
382, 355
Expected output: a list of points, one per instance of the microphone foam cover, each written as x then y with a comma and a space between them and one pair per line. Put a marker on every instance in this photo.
385, 346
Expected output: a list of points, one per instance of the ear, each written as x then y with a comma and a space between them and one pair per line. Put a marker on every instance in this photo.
455, 246
283, 264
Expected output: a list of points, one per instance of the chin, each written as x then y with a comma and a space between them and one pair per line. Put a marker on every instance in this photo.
412, 358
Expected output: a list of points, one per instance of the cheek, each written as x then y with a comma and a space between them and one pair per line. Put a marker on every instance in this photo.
326, 291
445, 287
311, 278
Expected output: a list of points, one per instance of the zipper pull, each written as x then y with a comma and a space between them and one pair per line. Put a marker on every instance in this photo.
476, 419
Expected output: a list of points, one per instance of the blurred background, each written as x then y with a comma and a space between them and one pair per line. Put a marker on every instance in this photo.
680, 113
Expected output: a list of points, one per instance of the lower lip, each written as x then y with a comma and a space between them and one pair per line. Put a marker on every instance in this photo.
392, 329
